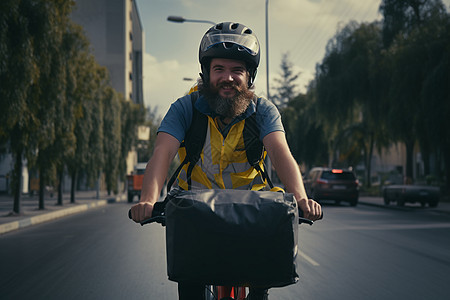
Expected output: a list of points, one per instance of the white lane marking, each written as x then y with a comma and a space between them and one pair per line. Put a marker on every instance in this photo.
308, 259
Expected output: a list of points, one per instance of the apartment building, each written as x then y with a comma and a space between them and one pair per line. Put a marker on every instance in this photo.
116, 35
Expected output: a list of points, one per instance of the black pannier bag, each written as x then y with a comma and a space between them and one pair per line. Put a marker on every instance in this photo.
232, 237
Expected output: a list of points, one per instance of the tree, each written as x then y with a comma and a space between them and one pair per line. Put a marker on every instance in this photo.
17, 70
402, 16
133, 115
286, 89
433, 126
304, 131
48, 94
349, 97
83, 76
112, 138
408, 30
31, 32
92, 81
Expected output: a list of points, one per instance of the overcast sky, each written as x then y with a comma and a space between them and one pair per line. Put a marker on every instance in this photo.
301, 28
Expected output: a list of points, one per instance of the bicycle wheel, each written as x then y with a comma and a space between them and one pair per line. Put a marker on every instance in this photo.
211, 292
235, 293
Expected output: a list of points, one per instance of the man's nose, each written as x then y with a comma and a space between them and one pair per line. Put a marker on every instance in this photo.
228, 77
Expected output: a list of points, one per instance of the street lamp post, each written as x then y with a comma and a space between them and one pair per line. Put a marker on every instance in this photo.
267, 50
268, 161
178, 19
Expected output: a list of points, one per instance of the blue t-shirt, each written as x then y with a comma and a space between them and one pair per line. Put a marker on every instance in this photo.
179, 117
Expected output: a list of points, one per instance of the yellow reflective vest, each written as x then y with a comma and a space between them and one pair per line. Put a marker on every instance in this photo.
223, 162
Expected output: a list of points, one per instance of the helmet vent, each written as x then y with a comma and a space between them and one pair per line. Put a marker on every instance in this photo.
228, 45
248, 31
219, 26
234, 26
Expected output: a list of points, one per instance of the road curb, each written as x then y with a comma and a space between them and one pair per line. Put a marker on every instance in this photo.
403, 208
15, 225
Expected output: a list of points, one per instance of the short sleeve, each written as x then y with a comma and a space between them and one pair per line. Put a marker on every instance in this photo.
178, 119
268, 118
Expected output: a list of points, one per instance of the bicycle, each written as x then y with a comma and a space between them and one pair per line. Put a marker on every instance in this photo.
212, 292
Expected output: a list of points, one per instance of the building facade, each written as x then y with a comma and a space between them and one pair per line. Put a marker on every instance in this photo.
116, 35
115, 32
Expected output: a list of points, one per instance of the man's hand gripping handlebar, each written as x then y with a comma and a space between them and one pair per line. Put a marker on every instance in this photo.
159, 216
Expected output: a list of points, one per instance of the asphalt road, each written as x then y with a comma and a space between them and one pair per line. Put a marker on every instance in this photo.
354, 253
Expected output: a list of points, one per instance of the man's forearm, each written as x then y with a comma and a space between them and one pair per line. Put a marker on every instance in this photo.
291, 177
153, 181
285, 164
156, 172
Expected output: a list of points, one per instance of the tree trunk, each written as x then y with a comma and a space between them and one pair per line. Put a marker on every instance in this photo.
73, 186
446, 154
369, 160
16, 183
60, 184
409, 161
41, 189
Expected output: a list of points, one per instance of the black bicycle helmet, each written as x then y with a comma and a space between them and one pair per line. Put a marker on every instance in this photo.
229, 40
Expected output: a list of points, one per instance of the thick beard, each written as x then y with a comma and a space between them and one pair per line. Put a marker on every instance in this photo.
227, 107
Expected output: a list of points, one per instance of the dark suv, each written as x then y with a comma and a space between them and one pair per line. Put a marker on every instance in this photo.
332, 184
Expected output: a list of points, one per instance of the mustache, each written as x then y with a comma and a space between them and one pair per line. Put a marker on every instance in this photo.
233, 85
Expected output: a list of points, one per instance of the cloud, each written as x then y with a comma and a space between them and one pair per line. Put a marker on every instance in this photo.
163, 81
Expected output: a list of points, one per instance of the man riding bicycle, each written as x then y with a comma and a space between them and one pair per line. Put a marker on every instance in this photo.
229, 56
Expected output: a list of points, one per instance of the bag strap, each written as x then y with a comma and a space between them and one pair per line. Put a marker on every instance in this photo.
193, 142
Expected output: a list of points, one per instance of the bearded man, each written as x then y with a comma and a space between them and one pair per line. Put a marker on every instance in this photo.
229, 57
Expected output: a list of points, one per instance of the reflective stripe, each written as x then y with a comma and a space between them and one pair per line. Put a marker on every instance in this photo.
223, 163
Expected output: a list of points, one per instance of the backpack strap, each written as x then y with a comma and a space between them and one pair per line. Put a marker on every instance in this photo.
193, 142
254, 148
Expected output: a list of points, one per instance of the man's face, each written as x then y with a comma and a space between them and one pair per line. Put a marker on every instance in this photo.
227, 76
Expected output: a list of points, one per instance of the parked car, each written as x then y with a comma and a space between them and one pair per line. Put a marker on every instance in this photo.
411, 194
332, 184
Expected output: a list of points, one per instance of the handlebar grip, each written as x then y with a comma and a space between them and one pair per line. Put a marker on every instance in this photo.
158, 216
302, 220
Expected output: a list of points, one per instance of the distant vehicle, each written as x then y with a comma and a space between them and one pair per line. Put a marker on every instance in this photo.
332, 184
134, 181
402, 194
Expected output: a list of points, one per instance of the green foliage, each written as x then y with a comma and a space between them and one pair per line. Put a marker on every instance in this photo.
379, 83
132, 116
112, 138
416, 52
349, 97
304, 133
286, 86
58, 107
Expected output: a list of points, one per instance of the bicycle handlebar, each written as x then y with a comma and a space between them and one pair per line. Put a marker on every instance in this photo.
159, 216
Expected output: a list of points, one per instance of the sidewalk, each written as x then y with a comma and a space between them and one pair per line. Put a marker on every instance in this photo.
31, 215
443, 207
